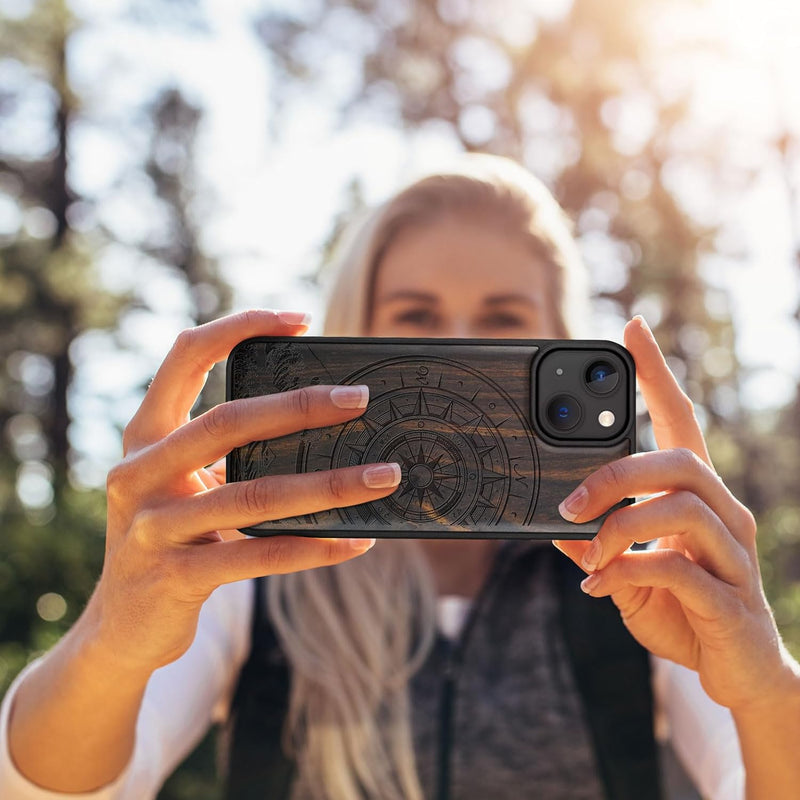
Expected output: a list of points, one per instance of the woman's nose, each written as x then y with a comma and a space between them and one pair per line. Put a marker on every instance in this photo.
457, 328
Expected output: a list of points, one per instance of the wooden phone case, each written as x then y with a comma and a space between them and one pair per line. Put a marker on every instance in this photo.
456, 414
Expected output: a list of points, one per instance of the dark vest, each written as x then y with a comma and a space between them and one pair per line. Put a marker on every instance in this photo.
606, 671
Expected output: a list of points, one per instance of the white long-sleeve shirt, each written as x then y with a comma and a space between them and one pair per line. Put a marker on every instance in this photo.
184, 698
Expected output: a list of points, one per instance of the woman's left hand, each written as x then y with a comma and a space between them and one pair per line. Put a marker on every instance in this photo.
696, 597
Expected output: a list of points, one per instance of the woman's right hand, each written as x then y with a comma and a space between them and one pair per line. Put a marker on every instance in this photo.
171, 536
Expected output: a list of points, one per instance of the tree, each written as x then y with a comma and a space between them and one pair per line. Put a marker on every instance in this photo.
52, 240
50, 549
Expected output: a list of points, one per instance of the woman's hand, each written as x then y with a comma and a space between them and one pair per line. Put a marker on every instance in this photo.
171, 536
696, 597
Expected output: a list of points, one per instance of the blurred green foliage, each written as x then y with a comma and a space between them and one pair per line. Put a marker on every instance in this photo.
59, 555
555, 101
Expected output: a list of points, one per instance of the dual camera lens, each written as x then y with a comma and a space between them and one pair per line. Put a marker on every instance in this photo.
564, 411
601, 377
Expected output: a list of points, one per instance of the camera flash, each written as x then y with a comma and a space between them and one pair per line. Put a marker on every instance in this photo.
559, 371
606, 418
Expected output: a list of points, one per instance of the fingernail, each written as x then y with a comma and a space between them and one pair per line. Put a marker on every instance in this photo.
590, 582
381, 476
361, 545
350, 396
557, 545
294, 317
643, 323
591, 558
572, 505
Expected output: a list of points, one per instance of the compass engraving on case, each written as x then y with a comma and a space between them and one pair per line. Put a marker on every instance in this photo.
441, 420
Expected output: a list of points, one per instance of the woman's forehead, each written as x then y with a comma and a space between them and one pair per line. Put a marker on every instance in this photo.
447, 256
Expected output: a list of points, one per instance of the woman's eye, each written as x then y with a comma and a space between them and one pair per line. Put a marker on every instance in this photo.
422, 317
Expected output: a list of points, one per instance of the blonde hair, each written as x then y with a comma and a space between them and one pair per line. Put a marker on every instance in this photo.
355, 633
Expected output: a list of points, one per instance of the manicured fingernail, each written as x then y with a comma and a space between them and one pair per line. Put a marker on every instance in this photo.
350, 396
294, 317
590, 582
643, 323
572, 505
591, 558
361, 545
381, 476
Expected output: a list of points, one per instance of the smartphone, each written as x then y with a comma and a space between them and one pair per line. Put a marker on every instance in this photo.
491, 435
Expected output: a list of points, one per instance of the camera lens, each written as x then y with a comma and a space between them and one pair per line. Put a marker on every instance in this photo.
602, 377
563, 412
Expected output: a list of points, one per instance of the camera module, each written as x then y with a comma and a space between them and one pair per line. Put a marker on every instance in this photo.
583, 393
564, 412
601, 377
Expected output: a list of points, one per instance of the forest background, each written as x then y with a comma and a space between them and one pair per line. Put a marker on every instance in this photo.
165, 161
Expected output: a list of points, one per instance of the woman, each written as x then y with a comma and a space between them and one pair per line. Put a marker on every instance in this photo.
481, 252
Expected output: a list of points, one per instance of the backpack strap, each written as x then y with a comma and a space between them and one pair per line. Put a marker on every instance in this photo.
612, 672
258, 766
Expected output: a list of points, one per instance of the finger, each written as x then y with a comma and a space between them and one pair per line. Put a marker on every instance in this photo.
216, 432
671, 411
572, 548
247, 503
696, 590
651, 473
217, 469
680, 514
183, 373
228, 534
226, 562
215, 474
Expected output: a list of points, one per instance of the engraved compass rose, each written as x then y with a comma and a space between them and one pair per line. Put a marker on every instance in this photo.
424, 475
441, 421
446, 450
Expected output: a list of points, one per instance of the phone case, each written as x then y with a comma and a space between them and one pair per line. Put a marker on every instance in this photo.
458, 415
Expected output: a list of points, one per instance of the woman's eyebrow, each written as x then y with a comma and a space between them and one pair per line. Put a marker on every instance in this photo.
409, 294
502, 299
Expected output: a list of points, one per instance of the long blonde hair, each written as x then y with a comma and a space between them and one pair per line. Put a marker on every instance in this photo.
355, 633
